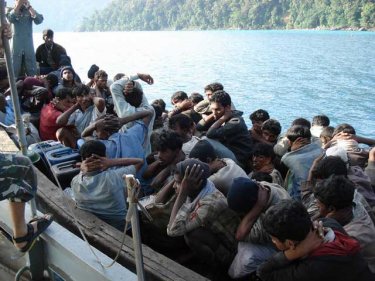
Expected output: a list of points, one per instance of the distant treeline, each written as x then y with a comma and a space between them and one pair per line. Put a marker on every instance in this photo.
123, 15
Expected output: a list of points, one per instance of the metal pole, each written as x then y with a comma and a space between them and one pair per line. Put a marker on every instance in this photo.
14, 95
133, 213
36, 259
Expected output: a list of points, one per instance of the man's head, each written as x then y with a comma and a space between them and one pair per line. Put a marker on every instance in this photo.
48, 37
52, 81
203, 151
196, 98
92, 147
271, 129
257, 118
328, 166
182, 125
178, 97
134, 97
83, 97
161, 103
92, 70
242, 195
101, 78
297, 131
344, 128
263, 155
67, 73
169, 146
220, 101
65, 97
326, 135
320, 120
302, 122
4, 82
212, 88
333, 194
288, 223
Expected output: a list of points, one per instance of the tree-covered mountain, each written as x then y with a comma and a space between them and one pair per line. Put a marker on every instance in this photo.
122, 15
64, 15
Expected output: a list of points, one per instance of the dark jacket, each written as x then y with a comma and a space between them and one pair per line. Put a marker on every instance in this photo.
55, 55
234, 135
336, 260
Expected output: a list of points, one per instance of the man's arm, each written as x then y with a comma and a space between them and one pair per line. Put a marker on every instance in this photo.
95, 163
99, 103
63, 119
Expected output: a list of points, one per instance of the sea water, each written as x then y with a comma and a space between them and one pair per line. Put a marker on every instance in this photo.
288, 73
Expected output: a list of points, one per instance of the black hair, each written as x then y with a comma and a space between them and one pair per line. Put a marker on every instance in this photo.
301, 122
135, 97
92, 147
213, 87
320, 120
52, 79
263, 149
336, 191
261, 176
203, 151
259, 115
161, 103
327, 132
331, 165
118, 76
298, 131
62, 93
273, 126
182, 120
288, 219
344, 128
179, 95
221, 97
168, 140
81, 90
158, 110
196, 97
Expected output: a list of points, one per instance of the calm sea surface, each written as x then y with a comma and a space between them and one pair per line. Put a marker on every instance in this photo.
289, 73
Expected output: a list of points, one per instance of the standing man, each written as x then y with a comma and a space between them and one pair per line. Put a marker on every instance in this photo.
22, 17
48, 55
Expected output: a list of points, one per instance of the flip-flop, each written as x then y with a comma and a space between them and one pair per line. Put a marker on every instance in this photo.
30, 237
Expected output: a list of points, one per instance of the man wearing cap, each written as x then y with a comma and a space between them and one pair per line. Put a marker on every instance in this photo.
49, 54
22, 17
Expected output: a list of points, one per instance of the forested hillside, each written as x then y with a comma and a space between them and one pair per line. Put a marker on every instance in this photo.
231, 14
64, 15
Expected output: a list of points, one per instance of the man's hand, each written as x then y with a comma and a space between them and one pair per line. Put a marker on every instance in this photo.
298, 143
371, 155
311, 242
192, 179
227, 114
216, 165
94, 163
146, 78
108, 123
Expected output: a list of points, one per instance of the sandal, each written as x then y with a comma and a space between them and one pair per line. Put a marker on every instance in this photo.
41, 224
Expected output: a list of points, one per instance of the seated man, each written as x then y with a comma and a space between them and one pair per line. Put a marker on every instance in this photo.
201, 214
229, 128
271, 130
169, 153
306, 254
319, 122
50, 112
102, 90
250, 200
67, 79
79, 116
300, 159
326, 135
263, 157
222, 170
257, 118
128, 97
101, 190
335, 197
49, 53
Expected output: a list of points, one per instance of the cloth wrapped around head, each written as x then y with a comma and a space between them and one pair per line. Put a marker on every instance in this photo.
182, 166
